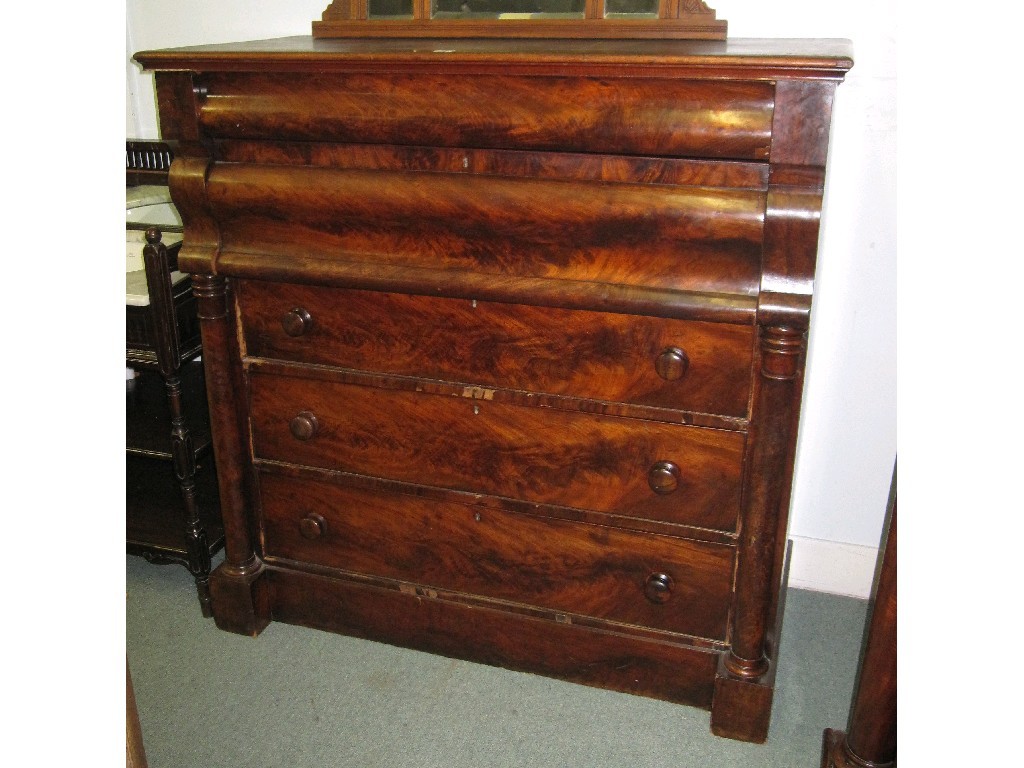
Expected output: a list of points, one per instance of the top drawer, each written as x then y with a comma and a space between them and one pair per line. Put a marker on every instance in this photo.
629, 116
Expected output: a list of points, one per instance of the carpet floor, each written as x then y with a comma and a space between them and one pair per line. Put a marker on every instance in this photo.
301, 698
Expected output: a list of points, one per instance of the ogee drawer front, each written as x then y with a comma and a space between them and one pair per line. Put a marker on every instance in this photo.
652, 470
716, 118
694, 366
701, 239
655, 581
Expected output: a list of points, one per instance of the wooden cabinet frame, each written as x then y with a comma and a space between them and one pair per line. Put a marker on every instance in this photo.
680, 180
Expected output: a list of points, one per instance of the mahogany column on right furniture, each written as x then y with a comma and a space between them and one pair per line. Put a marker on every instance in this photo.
870, 737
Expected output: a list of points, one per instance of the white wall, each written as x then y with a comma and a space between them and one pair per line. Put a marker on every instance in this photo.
847, 444
172, 23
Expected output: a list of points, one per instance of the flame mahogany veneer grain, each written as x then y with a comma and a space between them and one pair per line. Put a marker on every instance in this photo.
505, 343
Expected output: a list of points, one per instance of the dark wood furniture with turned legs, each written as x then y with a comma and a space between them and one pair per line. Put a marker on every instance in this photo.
869, 740
504, 343
172, 507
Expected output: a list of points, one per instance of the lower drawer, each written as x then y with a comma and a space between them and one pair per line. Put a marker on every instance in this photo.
587, 655
648, 580
655, 471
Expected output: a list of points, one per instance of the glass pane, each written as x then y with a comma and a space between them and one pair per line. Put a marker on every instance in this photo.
507, 9
613, 8
390, 9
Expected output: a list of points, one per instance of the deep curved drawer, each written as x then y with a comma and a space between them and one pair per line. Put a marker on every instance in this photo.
656, 116
666, 237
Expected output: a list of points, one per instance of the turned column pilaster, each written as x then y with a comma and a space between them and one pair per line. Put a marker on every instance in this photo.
776, 395
745, 681
237, 588
238, 592
212, 309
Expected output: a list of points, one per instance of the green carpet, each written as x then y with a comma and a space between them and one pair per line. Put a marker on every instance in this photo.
298, 698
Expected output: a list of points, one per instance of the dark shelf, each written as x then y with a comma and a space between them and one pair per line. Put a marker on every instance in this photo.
148, 413
173, 507
156, 513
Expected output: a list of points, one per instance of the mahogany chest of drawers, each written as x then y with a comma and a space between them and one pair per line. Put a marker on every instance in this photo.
504, 343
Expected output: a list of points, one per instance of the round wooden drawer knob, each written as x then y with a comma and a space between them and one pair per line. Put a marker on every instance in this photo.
664, 477
304, 426
672, 363
658, 588
311, 526
297, 322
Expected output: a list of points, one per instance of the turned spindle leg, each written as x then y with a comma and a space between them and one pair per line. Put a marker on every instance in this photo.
168, 354
183, 451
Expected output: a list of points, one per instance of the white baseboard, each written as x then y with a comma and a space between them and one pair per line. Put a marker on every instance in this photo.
831, 566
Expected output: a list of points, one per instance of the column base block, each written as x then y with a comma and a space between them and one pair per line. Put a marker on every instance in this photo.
741, 709
835, 753
240, 596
